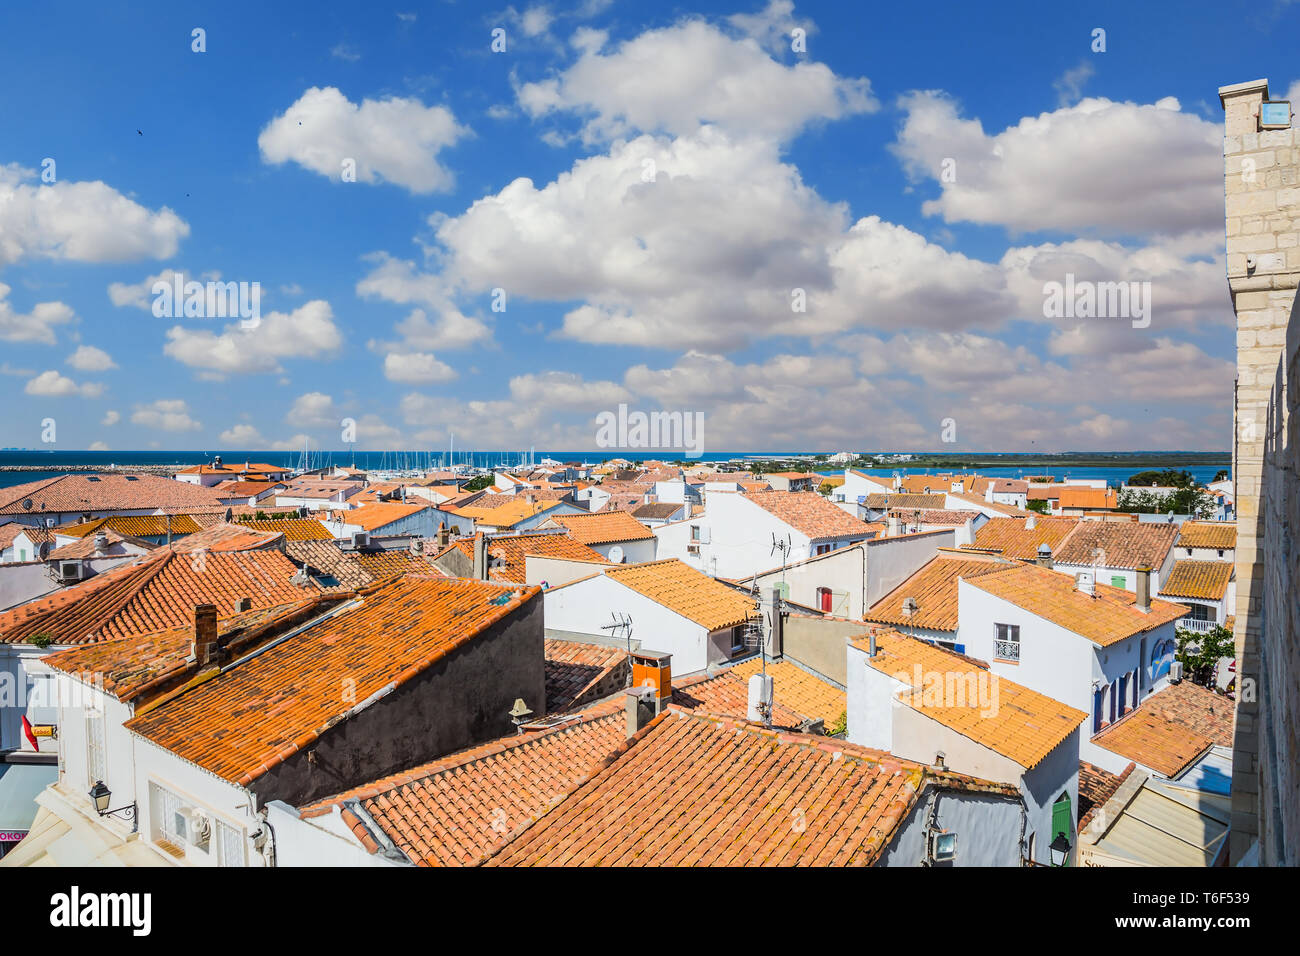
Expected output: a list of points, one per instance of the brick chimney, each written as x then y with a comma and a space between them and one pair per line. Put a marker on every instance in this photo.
205, 634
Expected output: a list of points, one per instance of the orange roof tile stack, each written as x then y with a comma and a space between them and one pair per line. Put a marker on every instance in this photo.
682, 792
396, 633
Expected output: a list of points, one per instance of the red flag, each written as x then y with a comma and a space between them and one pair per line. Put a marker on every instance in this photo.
31, 737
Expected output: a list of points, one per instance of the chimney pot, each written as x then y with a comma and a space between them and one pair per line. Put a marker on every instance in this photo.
639, 709
1143, 588
243, 604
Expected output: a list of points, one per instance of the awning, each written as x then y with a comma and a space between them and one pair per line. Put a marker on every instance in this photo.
19, 785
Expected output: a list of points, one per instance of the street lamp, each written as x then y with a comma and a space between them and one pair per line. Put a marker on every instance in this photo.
100, 796
1060, 849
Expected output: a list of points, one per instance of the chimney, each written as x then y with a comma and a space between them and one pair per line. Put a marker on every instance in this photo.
891, 525
1029, 523
871, 644
1144, 589
759, 703
653, 670
205, 634
480, 557
1044, 559
243, 604
101, 542
639, 708
1085, 582
444, 536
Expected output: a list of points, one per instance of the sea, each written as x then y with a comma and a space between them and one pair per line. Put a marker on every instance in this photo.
48, 464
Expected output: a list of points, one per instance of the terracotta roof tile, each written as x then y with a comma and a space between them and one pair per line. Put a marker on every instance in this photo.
1118, 544
1207, 534
878, 502
686, 591
1013, 538
293, 529
228, 537
459, 809
604, 527
726, 694
1109, 616
509, 553
157, 591
140, 526
934, 586
811, 514
1007, 718
1197, 708
87, 548
1147, 738
801, 691
396, 633
103, 492
1207, 580
690, 790
1094, 499
575, 669
380, 513
327, 558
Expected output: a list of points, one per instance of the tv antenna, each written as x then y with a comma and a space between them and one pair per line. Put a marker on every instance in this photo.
621, 623
784, 547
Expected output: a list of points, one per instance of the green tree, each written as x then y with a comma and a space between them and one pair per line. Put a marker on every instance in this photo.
1222, 474
1165, 477
1209, 648
480, 482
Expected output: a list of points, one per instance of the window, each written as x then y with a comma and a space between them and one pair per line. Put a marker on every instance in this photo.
1006, 644
1189, 551
1220, 552
1117, 581
230, 845
96, 768
1200, 612
695, 532
824, 548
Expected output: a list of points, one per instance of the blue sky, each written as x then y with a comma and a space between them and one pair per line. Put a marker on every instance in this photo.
648, 190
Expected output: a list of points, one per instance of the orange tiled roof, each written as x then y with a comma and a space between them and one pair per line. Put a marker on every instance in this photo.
327, 558
157, 591
1149, 739
130, 666
1110, 616
573, 669
244, 489
604, 527
1014, 721
508, 553
1207, 534
1118, 544
1197, 708
1094, 499
726, 695
506, 515
796, 688
1012, 538
810, 514
934, 586
139, 526
688, 592
459, 809
229, 537
1096, 786
879, 502
103, 492
396, 633
692, 790
1207, 580
293, 528
979, 502
380, 513
382, 564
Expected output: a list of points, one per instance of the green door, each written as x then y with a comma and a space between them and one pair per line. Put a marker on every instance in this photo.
1063, 820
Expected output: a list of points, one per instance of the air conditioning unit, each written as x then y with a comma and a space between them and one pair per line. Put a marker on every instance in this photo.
1176, 671
197, 826
70, 571
360, 539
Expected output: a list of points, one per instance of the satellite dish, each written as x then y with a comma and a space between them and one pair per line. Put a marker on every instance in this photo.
27, 504
616, 554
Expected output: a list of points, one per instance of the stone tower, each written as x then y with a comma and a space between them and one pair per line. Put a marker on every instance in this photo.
1262, 206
